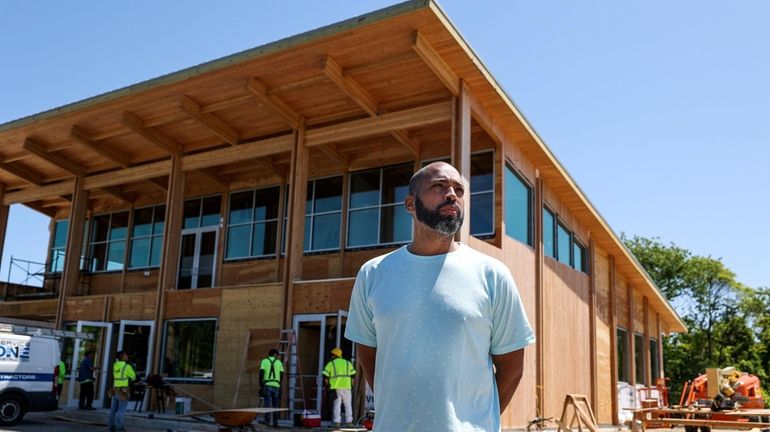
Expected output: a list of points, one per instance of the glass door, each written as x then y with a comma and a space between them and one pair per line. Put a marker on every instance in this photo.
197, 258
100, 345
135, 338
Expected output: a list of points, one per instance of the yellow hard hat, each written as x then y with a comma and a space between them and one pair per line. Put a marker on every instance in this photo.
337, 352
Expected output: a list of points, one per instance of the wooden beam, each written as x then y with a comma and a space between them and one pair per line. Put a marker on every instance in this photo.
70, 280
461, 153
220, 128
245, 151
84, 138
592, 317
360, 96
159, 183
22, 172
215, 176
128, 175
613, 338
434, 61
411, 144
39, 150
384, 123
379, 64
135, 123
270, 166
540, 352
330, 151
292, 117
38, 207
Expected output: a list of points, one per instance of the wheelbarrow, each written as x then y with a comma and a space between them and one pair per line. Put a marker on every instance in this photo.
236, 419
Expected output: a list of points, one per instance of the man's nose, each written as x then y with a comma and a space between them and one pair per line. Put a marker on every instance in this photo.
450, 194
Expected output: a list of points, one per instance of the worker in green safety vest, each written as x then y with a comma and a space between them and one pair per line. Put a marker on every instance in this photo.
270, 374
62, 371
122, 374
338, 377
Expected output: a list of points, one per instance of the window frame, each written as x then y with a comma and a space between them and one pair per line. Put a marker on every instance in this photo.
152, 236
313, 214
623, 372
213, 354
654, 361
547, 209
251, 224
63, 248
92, 243
640, 360
379, 206
530, 203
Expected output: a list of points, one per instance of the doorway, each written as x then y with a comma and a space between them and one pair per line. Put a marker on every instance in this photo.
136, 339
197, 258
317, 334
100, 345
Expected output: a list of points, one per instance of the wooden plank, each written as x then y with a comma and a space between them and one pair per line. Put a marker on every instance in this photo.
613, 340
391, 61
117, 193
332, 152
70, 280
384, 123
461, 154
539, 298
84, 138
274, 103
22, 172
136, 124
245, 151
296, 226
434, 61
4, 212
213, 175
128, 175
215, 125
39, 150
350, 86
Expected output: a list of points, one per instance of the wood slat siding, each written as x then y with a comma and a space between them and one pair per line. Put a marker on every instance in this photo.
105, 283
323, 296
136, 281
621, 303
567, 336
248, 272
84, 308
242, 310
199, 303
133, 306
31, 309
603, 337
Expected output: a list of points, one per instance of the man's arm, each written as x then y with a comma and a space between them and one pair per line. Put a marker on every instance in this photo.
509, 368
367, 357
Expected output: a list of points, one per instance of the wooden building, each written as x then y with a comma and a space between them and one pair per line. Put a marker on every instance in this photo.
216, 205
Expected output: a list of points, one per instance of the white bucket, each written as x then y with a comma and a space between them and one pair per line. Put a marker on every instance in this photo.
182, 405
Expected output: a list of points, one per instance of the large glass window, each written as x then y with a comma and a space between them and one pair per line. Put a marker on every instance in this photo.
108, 242
518, 199
323, 214
188, 349
579, 256
376, 212
563, 244
639, 360
253, 223
202, 212
549, 245
622, 347
654, 364
147, 237
58, 246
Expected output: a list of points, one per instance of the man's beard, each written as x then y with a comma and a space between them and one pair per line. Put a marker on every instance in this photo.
446, 225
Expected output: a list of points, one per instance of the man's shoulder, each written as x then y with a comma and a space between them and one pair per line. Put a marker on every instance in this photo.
477, 257
378, 261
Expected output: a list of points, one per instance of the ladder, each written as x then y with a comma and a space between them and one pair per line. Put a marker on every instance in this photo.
43, 331
289, 353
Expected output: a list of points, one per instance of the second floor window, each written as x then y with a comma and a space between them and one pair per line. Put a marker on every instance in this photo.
108, 242
58, 246
376, 212
253, 223
147, 237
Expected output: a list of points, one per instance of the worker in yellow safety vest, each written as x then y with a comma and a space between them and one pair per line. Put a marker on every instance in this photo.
270, 374
122, 374
338, 377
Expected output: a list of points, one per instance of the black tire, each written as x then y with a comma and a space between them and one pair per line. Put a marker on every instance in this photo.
12, 409
705, 429
691, 429
754, 419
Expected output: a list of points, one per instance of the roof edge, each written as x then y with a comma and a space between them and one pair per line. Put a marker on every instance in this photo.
212, 65
512, 105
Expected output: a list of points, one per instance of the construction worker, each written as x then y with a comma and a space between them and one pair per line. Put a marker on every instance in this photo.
270, 374
86, 378
122, 374
60, 378
338, 377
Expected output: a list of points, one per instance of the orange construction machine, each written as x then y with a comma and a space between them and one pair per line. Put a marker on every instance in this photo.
734, 389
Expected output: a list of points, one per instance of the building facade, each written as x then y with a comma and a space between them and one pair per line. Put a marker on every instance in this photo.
196, 215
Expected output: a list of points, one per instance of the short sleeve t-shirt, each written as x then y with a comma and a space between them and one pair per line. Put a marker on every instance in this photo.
436, 321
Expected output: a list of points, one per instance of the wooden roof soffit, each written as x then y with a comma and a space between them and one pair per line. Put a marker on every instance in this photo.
436, 63
160, 183
269, 165
38, 207
115, 192
22, 173
84, 138
40, 151
214, 175
137, 125
292, 117
220, 128
360, 96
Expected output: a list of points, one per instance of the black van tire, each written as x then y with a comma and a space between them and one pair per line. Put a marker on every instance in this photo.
12, 409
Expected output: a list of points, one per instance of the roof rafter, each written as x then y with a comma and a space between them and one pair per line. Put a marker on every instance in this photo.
215, 175
39, 150
86, 140
137, 125
220, 128
333, 153
119, 194
292, 117
22, 172
436, 63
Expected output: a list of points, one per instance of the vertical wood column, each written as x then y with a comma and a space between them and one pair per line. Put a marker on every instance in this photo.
461, 153
646, 360
661, 369
4, 212
539, 297
592, 324
613, 342
631, 336
344, 224
70, 279
296, 228
281, 215
169, 265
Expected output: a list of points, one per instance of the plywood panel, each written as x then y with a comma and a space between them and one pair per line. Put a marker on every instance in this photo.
322, 296
255, 310
323, 266
621, 302
603, 337
89, 308
104, 283
135, 306
248, 272
141, 281
199, 303
567, 344
29, 309
520, 260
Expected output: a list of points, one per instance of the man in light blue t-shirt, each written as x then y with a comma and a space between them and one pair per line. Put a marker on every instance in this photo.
432, 318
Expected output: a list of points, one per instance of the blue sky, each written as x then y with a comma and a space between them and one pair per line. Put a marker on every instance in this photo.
658, 109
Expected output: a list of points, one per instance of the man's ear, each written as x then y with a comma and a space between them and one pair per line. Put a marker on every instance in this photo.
409, 203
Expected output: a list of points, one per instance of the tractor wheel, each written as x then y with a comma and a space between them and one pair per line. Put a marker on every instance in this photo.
705, 429
691, 429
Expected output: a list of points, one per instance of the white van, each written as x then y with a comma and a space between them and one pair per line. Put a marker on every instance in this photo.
28, 369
